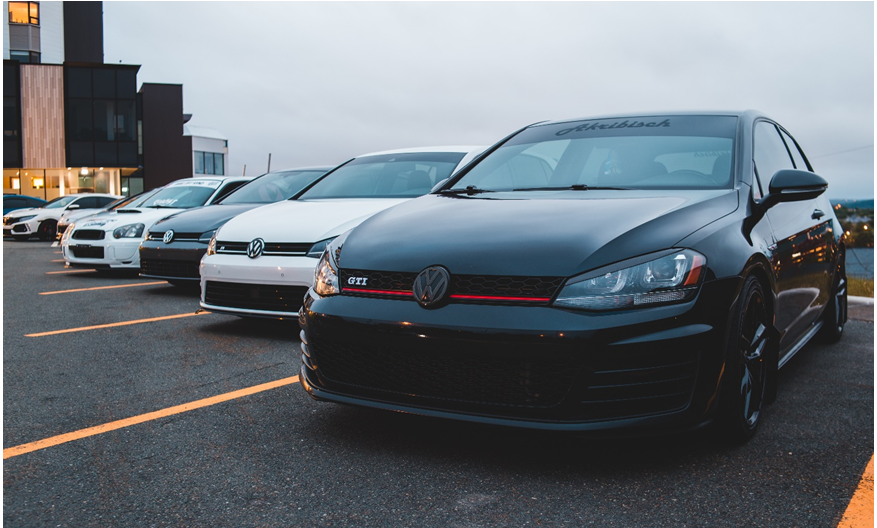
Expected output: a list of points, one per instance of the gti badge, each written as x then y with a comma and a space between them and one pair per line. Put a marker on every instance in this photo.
168, 236
357, 281
254, 248
431, 285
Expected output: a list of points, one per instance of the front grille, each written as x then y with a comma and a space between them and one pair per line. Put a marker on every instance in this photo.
638, 383
463, 373
9, 220
170, 268
276, 249
88, 234
87, 252
264, 297
481, 287
159, 236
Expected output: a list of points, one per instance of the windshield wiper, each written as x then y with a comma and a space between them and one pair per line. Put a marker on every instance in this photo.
469, 191
576, 187
128, 211
163, 206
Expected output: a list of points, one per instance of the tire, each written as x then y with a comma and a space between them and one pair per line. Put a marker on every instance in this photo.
746, 356
835, 316
47, 230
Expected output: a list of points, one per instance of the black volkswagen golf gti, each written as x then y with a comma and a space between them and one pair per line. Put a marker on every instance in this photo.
632, 273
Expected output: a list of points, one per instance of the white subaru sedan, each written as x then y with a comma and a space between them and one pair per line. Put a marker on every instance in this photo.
112, 240
261, 263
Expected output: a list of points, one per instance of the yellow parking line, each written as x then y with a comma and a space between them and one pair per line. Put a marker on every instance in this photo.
111, 325
134, 420
104, 287
860, 512
70, 271
57, 260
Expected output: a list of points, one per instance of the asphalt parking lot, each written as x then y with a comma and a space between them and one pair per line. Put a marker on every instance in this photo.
274, 457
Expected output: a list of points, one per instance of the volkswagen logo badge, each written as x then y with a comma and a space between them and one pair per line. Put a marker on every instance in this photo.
255, 248
168, 236
431, 285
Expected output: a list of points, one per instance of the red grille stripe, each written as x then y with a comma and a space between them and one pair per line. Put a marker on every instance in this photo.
499, 298
381, 292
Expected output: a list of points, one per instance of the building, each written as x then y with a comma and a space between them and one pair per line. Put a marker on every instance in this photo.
74, 124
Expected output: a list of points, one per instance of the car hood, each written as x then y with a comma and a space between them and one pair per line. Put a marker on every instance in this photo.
112, 220
18, 213
203, 219
302, 220
548, 234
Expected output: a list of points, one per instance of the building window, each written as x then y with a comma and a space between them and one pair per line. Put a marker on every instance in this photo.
25, 57
24, 13
209, 163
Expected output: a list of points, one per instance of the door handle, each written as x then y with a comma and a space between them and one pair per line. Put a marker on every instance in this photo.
817, 214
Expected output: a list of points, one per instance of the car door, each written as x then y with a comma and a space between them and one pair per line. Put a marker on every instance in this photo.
802, 238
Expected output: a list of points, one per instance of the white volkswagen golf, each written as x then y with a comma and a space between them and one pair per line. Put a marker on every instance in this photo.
261, 263
111, 240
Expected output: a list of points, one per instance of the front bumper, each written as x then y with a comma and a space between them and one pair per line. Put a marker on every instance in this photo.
27, 228
268, 286
109, 253
178, 261
534, 367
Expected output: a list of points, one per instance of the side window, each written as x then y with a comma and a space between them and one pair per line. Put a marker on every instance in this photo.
105, 201
769, 155
86, 203
14, 202
800, 164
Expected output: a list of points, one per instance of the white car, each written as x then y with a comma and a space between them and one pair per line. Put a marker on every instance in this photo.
71, 217
261, 263
111, 240
42, 221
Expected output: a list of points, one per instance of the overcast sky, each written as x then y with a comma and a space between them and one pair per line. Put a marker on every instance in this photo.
318, 83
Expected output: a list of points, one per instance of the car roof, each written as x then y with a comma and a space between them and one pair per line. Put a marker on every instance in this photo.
455, 148
320, 167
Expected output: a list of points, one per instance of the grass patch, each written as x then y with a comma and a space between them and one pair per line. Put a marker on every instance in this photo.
860, 287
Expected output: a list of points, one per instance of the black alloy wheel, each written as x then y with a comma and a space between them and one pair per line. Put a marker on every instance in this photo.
747, 350
47, 230
836, 312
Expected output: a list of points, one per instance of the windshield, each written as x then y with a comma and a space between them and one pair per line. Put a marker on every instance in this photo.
63, 201
180, 196
674, 152
134, 201
273, 187
386, 176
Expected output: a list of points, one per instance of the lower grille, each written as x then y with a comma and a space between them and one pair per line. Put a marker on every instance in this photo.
264, 297
457, 375
170, 268
639, 383
19, 228
87, 234
87, 252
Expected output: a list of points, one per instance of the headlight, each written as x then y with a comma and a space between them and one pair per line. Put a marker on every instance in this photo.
24, 218
211, 246
669, 279
326, 280
67, 231
318, 248
206, 237
129, 231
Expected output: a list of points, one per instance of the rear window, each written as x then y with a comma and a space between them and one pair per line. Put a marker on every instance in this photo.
673, 152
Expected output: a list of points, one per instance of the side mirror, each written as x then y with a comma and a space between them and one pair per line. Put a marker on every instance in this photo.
72, 207
790, 185
439, 185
